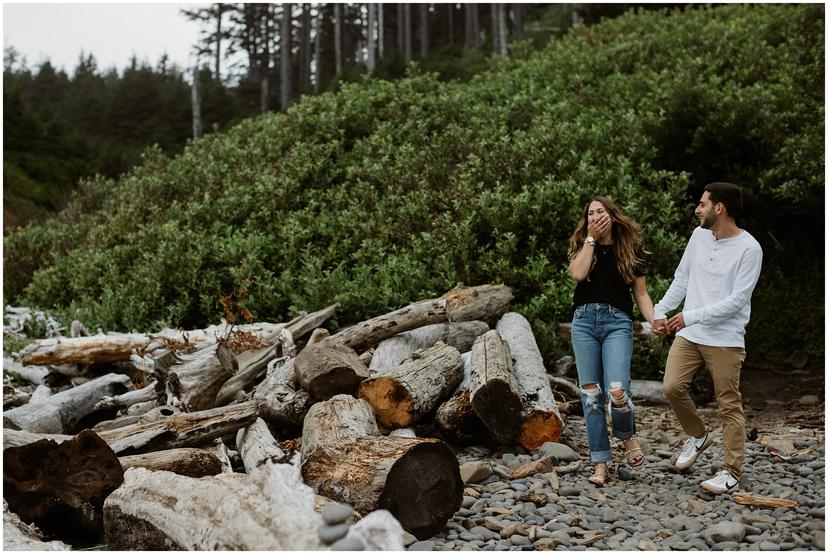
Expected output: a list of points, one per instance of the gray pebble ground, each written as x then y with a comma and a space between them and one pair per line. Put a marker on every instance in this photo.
655, 508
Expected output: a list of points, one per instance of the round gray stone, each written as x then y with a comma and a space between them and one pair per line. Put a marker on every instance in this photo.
558, 451
725, 531
768, 546
348, 543
336, 513
331, 533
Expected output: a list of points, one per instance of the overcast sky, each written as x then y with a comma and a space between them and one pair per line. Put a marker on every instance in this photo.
113, 32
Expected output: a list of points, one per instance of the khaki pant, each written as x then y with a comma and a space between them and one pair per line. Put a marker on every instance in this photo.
725, 366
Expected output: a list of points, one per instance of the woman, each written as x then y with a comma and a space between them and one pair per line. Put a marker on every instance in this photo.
606, 258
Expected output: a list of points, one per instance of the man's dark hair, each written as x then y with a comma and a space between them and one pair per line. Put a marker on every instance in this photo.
728, 194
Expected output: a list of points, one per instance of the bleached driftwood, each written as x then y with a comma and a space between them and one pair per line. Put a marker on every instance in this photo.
62, 412
541, 419
32, 373
256, 445
191, 462
392, 351
197, 378
484, 302
281, 401
493, 388
41, 394
404, 394
379, 531
127, 399
13, 398
327, 368
180, 431
61, 487
156, 413
345, 458
269, 509
17, 535
218, 449
565, 386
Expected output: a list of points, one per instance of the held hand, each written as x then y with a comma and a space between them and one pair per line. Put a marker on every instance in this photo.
676, 322
598, 226
660, 327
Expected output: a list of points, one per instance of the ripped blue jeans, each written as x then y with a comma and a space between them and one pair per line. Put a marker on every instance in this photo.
602, 341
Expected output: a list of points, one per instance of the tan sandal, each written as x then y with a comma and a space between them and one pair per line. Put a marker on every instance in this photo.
633, 460
600, 476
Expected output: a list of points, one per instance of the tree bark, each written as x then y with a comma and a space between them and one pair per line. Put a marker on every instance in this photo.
190, 462
197, 378
65, 411
196, 103
269, 509
542, 420
493, 388
417, 480
404, 394
256, 445
62, 487
281, 402
407, 51
286, 88
392, 351
338, 38
156, 413
423, 31
450, 18
305, 50
371, 61
380, 30
517, 12
180, 431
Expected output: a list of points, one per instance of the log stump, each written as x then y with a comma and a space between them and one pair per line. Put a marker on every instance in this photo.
493, 388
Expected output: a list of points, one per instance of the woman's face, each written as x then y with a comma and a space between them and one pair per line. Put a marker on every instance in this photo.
596, 212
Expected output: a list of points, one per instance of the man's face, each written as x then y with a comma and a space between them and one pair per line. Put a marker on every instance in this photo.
706, 212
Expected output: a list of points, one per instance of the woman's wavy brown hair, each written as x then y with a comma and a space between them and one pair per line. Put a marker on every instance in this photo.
627, 241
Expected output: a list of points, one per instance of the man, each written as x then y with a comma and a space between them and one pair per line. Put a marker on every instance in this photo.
715, 278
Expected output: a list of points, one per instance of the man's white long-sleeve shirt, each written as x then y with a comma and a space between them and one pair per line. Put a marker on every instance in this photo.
715, 278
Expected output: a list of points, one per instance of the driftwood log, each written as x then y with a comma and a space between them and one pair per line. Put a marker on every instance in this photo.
404, 394
256, 445
455, 417
61, 487
484, 303
393, 351
328, 368
154, 414
345, 458
197, 377
180, 431
191, 462
65, 411
269, 509
493, 388
281, 401
541, 419
31, 373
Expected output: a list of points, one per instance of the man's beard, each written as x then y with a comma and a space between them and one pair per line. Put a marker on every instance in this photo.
707, 221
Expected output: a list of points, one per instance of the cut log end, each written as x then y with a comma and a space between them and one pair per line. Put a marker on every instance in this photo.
498, 399
338, 380
392, 403
424, 489
539, 428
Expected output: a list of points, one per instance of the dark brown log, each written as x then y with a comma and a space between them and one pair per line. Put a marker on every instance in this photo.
328, 368
197, 378
17, 535
404, 394
280, 400
392, 351
484, 303
493, 388
65, 411
541, 419
191, 462
180, 431
417, 480
457, 421
61, 487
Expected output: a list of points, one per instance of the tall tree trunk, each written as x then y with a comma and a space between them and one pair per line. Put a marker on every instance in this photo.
317, 49
401, 28
219, 12
372, 23
196, 99
517, 13
284, 47
338, 37
381, 31
407, 32
495, 29
423, 31
450, 18
503, 29
305, 50
472, 27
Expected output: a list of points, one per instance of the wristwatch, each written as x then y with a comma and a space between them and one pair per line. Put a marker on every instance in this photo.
590, 241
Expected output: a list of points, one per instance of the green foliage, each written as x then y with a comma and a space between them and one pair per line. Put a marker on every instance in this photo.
384, 193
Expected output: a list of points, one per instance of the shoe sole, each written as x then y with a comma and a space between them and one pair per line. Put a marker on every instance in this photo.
716, 491
692, 462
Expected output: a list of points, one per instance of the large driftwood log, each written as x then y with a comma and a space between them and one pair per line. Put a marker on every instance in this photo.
493, 388
64, 411
280, 400
404, 394
145, 394
13, 437
61, 487
197, 378
344, 458
17, 535
393, 351
253, 363
455, 417
484, 303
191, 462
256, 445
32, 373
269, 509
154, 414
541, 419
327, 368
180, 431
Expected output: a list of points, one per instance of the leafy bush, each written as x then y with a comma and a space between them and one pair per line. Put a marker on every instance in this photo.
384, 193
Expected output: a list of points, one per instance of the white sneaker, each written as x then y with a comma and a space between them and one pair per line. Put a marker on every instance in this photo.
721, 482
691, 450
